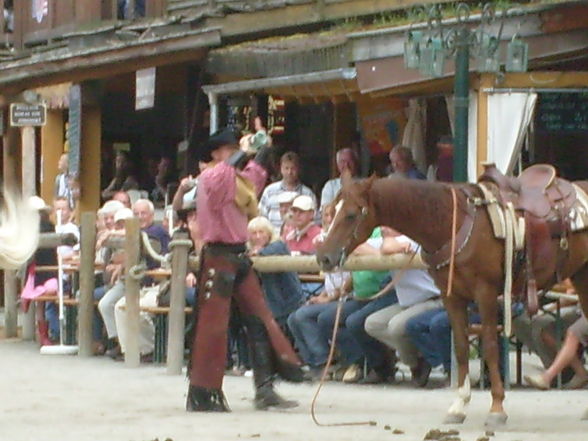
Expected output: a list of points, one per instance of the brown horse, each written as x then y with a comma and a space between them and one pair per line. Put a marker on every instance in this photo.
423, 211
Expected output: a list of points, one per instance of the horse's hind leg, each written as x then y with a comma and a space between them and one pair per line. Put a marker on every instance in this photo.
487, 303
458, 315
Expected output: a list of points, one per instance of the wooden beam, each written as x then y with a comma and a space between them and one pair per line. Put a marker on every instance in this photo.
90, 157
564, 19
486, 80
107, 63
52, 139
543, 80
239, 25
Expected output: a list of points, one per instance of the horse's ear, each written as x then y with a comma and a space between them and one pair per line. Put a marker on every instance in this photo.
346, 178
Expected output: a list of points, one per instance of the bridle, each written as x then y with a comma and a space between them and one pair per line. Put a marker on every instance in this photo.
354, 234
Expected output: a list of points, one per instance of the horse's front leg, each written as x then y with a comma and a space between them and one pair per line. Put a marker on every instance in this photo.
458, 316
488, 311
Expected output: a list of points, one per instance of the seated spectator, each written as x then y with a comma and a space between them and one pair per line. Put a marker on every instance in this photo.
144, 210
403, 165
354, 344
416, 293
282, 290
123, 197
124, 12
538, 333
576, 338
62, 181
285, 200
268, 203
442, 170
300, 240
166, 175
346, 160
123, 177
65, 253
41, 283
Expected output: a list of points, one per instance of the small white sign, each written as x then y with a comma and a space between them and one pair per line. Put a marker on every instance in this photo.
145, 88
24, 114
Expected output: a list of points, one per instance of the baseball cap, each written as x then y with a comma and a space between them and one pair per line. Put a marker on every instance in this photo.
123, 213
304, 203
110, 207
286, 197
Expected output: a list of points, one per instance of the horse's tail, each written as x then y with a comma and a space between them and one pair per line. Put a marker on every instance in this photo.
19, 230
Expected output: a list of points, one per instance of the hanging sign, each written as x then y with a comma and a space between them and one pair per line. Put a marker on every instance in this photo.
25, 114
145, 88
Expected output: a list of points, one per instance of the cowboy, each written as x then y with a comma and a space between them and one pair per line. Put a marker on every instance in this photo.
226, 199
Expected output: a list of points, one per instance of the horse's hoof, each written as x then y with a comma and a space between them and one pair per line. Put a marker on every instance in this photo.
495, 419
454, 418
585, 415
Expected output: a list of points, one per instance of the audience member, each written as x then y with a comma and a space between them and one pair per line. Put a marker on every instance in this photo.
62, 181
144, 210
282, 290
268, 204
442, 170
346, 160
123, 197
45, 282
300, 239
403, 165
354, 344
123, 178
538, 333
285, 202
576, 339
165, 176
416, 293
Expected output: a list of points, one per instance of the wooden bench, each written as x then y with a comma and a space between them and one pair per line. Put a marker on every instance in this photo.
160, 320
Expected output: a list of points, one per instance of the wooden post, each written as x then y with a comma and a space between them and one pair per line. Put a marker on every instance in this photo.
11, 143
86, 305
132, 288
90, 159
29, 173
176, 317
52, 140
486, 80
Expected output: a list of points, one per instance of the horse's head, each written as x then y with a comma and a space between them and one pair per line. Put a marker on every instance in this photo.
353, 223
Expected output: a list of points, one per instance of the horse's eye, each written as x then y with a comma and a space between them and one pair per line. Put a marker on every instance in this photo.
350, 217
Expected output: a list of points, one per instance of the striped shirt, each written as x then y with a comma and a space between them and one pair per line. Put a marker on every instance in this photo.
269, 205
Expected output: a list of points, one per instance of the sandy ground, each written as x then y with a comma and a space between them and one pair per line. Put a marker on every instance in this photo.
49, 397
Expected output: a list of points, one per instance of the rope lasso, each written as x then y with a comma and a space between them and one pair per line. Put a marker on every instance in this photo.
324, 376
453, 239
340, 302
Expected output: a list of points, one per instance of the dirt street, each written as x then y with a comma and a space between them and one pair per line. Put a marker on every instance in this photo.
49, 397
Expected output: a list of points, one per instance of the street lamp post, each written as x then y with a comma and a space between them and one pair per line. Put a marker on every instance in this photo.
427, 50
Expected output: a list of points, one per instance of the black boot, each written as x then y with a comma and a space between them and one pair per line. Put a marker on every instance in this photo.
266, 397
206, 400
262, 363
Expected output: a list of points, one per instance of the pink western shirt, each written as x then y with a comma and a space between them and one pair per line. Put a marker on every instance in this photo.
219, 218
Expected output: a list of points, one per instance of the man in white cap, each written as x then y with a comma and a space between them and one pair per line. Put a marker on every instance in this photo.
300, 239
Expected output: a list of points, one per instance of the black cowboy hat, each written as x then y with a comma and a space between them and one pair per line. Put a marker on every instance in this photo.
224, 136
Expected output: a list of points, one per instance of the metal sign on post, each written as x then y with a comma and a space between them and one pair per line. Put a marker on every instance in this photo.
28, 115
145, 88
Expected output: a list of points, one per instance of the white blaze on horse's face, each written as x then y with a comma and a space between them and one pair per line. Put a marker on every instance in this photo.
337, 211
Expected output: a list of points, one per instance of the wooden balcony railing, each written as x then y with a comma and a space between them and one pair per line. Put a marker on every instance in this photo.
40, 21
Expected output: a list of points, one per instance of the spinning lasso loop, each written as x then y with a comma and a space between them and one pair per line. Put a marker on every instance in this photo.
152, 253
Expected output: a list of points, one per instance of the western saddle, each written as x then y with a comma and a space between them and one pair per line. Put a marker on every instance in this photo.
544, 201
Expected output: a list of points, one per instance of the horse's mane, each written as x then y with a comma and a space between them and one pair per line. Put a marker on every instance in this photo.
419, 209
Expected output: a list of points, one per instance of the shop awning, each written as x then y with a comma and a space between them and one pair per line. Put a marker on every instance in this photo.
318, 86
